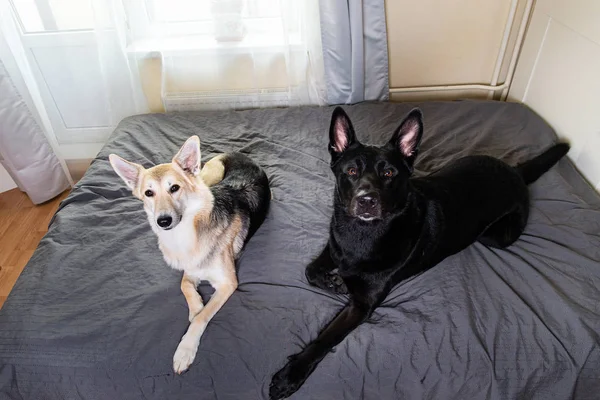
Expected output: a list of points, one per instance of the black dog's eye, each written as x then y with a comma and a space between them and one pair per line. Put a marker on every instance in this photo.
388, 173
149, 193
174, 188
352, 171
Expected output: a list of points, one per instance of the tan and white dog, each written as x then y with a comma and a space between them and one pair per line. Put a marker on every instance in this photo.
202, 218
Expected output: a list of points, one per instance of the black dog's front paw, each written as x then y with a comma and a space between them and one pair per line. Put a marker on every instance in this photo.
335, 283
327, 280
288, 380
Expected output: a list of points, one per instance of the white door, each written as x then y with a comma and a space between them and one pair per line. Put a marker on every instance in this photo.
558, 76
61, 47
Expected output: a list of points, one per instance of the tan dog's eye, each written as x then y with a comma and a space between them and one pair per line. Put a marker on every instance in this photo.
149, 193
388, 173
351, 171
174, 188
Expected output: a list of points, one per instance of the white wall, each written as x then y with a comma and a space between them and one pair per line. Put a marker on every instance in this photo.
6, 182
558, 76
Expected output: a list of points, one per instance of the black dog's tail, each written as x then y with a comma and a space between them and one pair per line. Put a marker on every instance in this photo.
531, 170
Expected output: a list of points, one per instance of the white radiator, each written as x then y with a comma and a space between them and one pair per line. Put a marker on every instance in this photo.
226, 99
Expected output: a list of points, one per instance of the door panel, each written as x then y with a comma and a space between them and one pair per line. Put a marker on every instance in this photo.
74, 81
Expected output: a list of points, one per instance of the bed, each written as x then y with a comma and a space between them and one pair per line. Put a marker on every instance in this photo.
97, 314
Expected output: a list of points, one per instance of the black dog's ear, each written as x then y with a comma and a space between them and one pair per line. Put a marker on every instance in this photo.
341, 133
407, 137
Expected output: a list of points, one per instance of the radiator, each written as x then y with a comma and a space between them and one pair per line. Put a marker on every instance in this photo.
226, 99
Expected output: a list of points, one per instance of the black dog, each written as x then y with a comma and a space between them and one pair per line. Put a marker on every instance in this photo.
387, 227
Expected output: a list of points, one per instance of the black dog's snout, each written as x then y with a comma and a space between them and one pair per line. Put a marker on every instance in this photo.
164, 221
367, 202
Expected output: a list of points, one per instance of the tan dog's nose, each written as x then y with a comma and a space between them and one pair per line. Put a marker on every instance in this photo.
164, 221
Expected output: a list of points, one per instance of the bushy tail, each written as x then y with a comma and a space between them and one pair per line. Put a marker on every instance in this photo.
531, 170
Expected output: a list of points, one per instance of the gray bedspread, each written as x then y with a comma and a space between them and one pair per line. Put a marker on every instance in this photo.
97, 314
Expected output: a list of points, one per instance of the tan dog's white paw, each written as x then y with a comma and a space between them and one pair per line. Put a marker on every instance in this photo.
194, 311
184, 357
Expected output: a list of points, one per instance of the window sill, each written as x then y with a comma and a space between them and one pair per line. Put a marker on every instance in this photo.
187, 45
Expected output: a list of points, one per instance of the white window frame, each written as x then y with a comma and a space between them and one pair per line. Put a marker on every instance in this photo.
183, 35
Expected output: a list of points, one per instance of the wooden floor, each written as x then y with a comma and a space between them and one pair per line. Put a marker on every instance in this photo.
22, 226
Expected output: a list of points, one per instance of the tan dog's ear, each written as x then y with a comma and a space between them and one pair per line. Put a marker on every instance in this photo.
128, 171
188, 157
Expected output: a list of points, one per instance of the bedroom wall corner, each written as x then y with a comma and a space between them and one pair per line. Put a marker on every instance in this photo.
557, 76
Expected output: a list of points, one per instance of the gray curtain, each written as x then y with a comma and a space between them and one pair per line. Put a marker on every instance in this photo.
355, 53
24, 149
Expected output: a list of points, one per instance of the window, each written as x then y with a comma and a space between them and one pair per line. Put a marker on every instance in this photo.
163, 24
35, 16
173, 11
220, 18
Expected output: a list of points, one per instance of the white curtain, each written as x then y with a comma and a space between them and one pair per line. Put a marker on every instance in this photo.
28, 149
218, 54
25, 151
119, 68
208, 54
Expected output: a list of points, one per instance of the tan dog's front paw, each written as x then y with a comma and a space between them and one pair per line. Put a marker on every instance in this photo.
184, 357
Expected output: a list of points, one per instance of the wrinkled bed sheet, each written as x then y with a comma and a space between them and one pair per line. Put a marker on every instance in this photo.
97, 314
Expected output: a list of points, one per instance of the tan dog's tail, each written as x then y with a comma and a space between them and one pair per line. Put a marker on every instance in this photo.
213, 171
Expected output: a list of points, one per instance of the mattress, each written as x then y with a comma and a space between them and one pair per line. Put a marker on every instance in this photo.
97, 314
